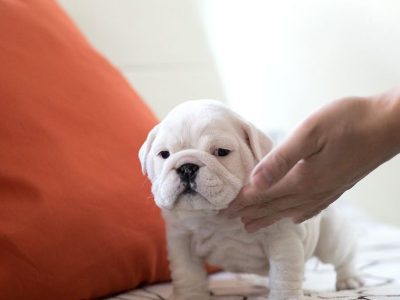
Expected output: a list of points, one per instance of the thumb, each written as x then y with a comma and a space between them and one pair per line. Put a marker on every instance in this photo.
281, 160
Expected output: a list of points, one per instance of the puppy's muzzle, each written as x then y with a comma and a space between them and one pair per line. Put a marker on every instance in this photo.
187, 174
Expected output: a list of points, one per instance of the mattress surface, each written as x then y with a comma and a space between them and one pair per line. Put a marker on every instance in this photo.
378, 261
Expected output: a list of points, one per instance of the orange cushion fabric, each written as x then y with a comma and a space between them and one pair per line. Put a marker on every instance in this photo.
76, 217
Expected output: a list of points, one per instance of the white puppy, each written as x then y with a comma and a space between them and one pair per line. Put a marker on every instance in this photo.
198, 158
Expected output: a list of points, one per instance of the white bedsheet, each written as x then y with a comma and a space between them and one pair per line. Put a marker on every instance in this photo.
378, 260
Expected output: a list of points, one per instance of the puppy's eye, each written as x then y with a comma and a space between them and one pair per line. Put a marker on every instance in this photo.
221, 152
164, 154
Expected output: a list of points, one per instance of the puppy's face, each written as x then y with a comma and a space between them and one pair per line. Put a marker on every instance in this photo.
200, 156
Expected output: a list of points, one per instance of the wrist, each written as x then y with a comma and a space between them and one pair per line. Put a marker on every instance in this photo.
387, 105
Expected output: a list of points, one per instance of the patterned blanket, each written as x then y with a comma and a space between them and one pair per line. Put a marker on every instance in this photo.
378, 260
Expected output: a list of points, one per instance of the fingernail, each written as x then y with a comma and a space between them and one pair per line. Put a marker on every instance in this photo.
256, 170
251, 228
261, 179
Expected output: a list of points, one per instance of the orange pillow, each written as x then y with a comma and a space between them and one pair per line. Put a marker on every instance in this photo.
76, 217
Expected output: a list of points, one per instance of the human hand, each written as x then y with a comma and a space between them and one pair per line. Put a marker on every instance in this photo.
325, 156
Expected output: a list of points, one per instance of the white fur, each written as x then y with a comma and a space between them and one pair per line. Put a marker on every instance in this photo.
196, 233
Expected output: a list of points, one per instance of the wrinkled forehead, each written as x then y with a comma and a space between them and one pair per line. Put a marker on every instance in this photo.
188, 128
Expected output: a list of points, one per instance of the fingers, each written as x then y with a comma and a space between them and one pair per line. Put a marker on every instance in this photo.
255, 225
253, 212
241, 201
283, 195
298, 213
306, 216
268, 207
312, 212
271, 170
301, 144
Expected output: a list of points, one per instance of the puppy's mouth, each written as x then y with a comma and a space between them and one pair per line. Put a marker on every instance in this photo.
189, 198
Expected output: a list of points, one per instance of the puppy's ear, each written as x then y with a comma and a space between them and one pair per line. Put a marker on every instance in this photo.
145, 149
260, 144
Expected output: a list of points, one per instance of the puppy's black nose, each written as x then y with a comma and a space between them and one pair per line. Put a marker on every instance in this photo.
187, 172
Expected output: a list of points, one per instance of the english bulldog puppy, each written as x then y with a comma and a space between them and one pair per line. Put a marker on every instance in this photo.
198, 158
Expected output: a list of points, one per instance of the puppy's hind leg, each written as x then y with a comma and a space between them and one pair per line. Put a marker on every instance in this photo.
337, 246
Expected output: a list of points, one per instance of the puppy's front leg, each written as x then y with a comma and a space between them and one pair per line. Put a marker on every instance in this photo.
189, 278
286, 257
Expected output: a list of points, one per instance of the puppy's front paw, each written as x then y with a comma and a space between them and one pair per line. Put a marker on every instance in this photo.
349, 283
198, 296
286, 295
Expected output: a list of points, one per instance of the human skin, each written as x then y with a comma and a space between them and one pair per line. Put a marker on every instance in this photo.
326, 155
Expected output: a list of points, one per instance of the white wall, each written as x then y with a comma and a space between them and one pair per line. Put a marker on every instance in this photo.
160, 46
280, 60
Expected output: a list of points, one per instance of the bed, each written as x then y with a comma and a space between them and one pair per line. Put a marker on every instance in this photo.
378, 261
